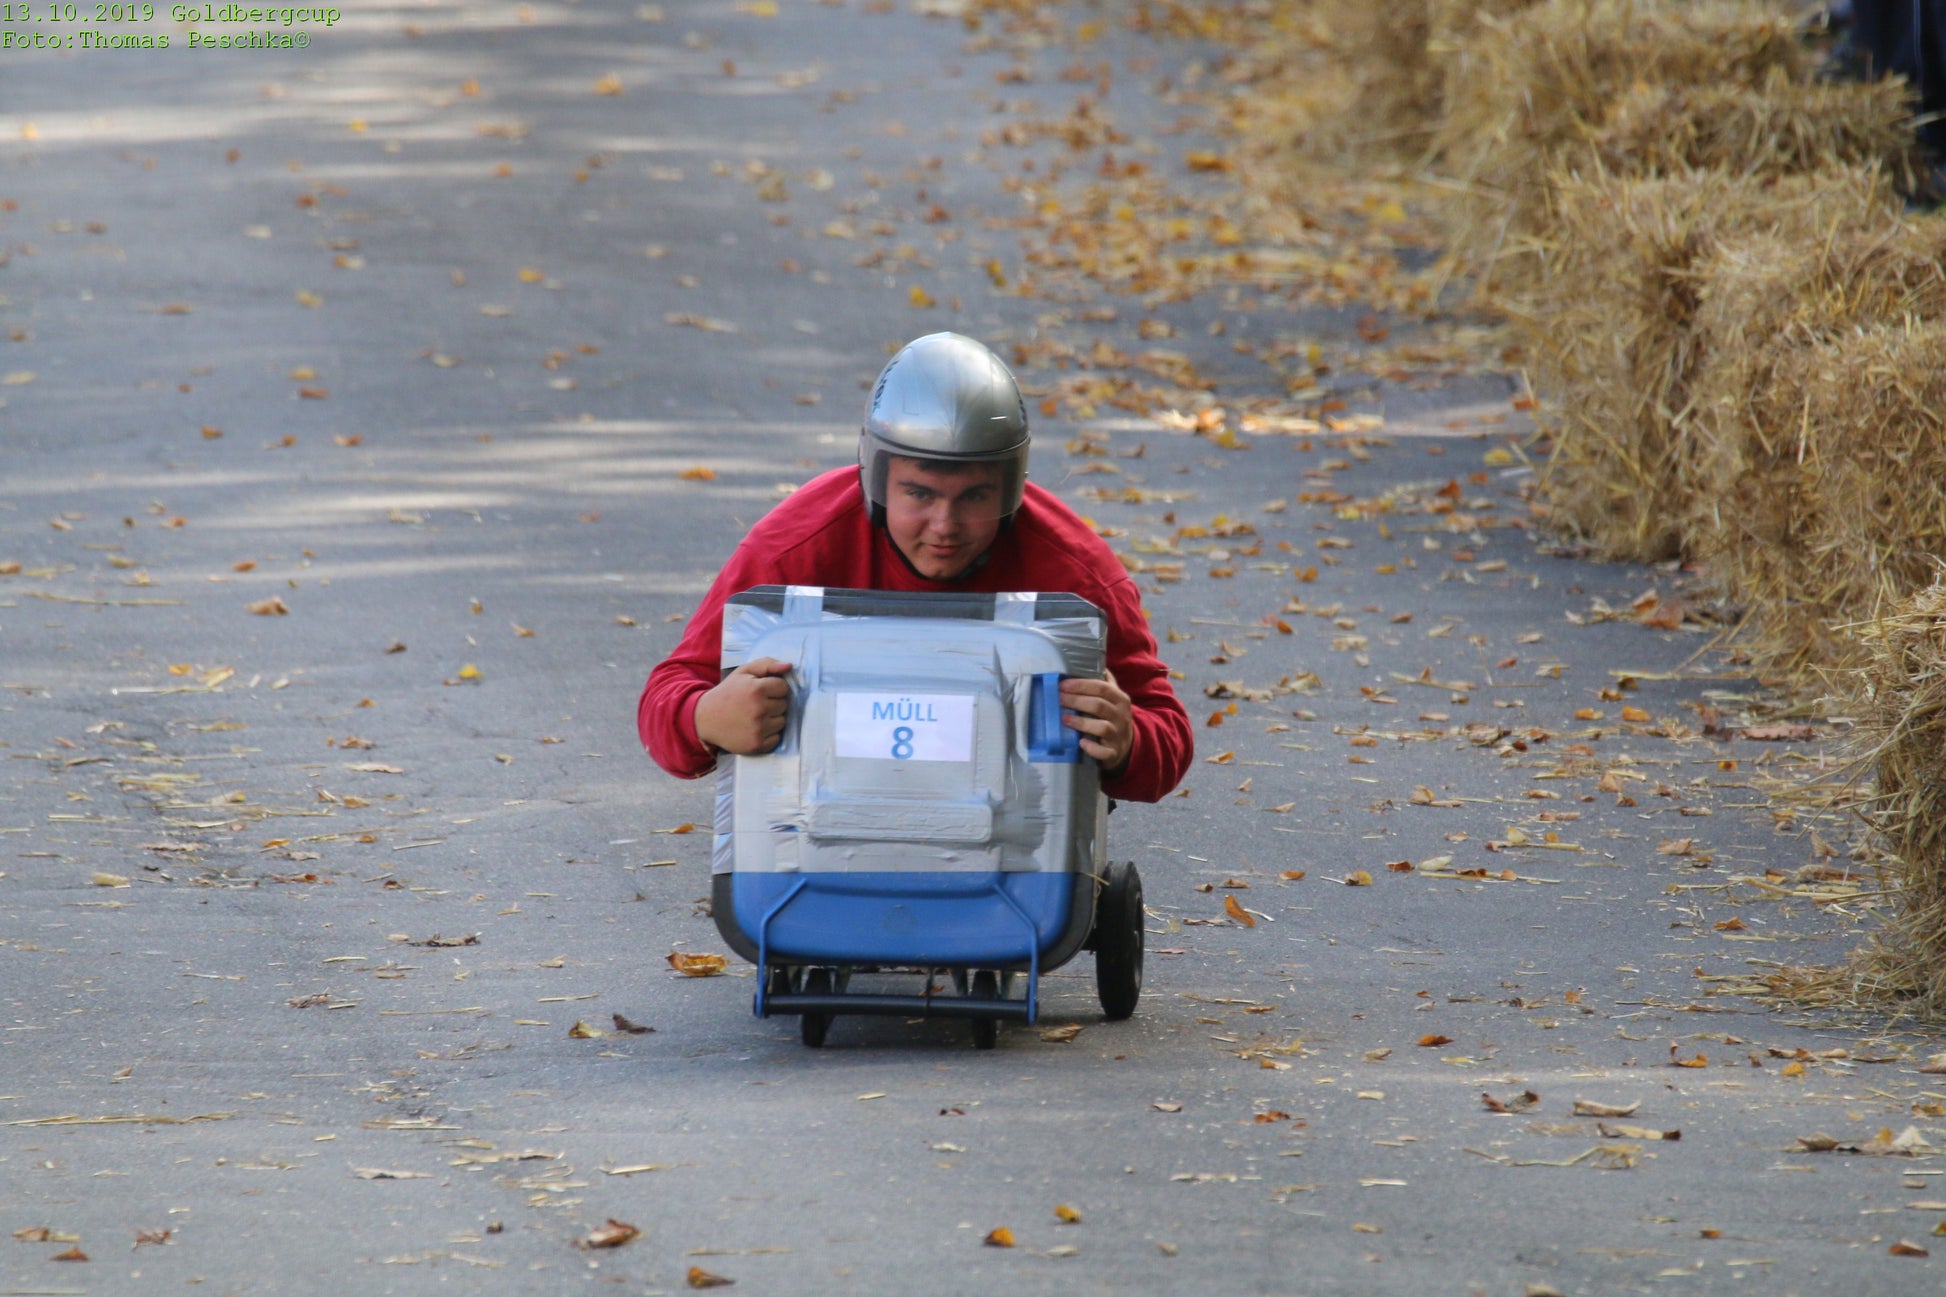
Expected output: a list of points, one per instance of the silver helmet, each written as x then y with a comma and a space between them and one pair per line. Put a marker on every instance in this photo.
945, 397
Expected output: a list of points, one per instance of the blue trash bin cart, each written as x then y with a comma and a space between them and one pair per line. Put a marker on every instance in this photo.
926, 814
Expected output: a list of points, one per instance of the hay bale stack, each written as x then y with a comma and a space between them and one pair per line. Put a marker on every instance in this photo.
1611, 330
1820, 458
1903, 722
1642, 89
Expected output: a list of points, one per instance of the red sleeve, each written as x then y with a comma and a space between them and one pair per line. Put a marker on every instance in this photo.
1165, 743
666, 714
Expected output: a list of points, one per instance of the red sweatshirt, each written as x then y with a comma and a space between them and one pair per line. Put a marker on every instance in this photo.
822, 535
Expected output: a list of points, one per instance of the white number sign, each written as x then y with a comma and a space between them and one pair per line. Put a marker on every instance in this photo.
905, 727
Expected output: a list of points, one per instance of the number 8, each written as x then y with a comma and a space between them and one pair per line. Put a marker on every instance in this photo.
902, 742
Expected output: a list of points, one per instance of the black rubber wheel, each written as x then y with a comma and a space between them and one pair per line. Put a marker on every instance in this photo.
1118, 941
813, 1026
986, 1031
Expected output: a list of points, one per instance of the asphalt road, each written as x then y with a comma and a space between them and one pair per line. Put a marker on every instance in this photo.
416, 339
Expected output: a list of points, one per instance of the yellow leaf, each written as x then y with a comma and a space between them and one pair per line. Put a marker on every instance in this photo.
609, 84
19, 378
1066, 1214
1237, 912
1635, 714
1001, 1237
529, 275
1359, 878
701, 1278
308, 298
689, 965
698, 474
920, 298
470, 672
108, 880
758, 8
582, 1031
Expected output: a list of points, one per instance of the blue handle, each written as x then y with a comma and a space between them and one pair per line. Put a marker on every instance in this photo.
1047, 738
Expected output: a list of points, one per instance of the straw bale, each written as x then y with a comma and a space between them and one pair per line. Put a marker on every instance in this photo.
1610, 329
1642, 89
1800, 407
1902, 724
1832, 505
1406, 54
1777, 128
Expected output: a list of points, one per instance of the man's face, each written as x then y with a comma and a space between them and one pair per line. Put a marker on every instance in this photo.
942, 520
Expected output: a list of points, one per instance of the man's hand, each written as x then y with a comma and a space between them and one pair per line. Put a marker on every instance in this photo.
1105, 718
744, 715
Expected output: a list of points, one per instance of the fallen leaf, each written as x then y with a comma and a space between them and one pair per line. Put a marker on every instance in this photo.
382, 1173
1000, 1237
1358, 878
1434, 1040
1237, 912
1636, 1132
1780, 733
1592, 1108
613, 1234
1061, 1035
582, 1031
701, 1278
628, 1027
271, 607
703, 322
1903, 1248
1519, 1103
1907, 1143
698, 474
704, 965
72, 1254
1066, 1214
1166, 1107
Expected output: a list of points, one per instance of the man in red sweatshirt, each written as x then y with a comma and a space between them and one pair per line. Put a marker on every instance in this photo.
939, 501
